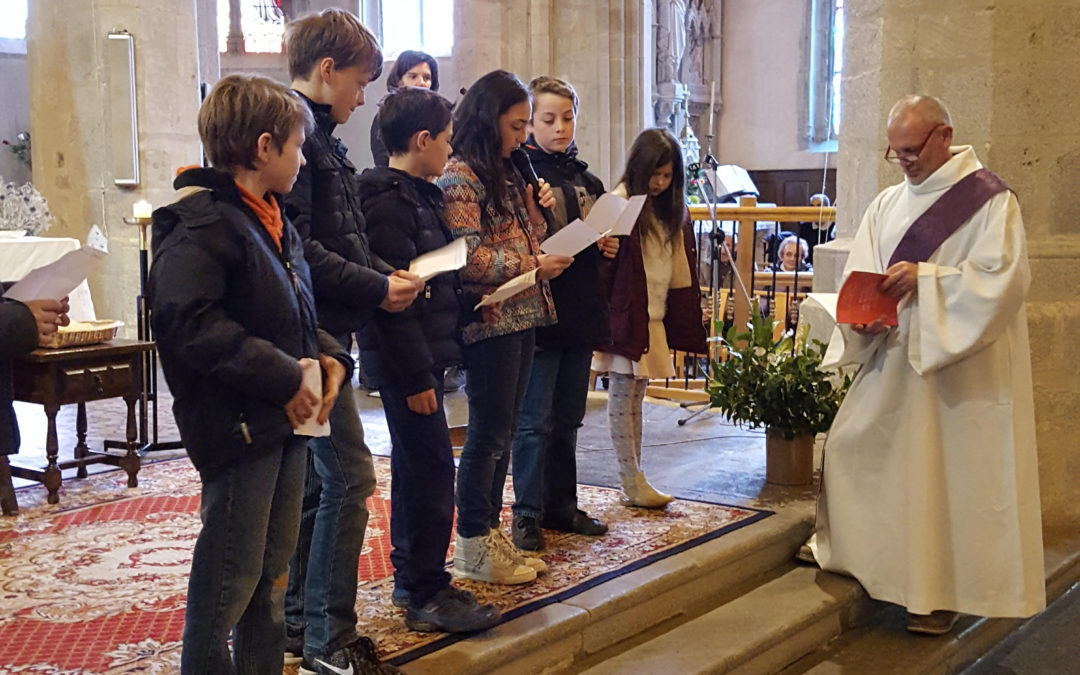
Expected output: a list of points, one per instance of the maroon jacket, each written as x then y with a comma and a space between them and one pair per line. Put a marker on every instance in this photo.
629, 302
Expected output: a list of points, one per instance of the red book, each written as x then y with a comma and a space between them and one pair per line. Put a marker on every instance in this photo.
860, 300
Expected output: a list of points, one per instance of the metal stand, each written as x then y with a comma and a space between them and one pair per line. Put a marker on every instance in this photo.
148, 409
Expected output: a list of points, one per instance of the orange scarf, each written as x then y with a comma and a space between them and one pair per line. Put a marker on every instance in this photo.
268, 212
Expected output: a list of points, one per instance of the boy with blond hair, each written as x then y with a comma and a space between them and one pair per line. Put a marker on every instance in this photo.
332, 58
544, 454
234, 320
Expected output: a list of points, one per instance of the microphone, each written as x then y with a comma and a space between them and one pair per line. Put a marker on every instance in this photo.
524, 166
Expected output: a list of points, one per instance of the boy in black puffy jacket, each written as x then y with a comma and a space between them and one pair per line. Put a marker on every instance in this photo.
406, 353
234, 319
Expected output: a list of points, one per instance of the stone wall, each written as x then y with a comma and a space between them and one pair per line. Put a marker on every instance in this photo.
602, 47
68, 95
1008, 73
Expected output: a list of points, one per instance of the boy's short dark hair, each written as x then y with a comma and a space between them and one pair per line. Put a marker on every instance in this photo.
333, 33
546, 84
239, 109
410, 110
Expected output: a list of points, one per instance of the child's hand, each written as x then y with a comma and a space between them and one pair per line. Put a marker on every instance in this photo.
609, 246
423, 403
551, 266
302, 405
333, 376
401, 290
491, 313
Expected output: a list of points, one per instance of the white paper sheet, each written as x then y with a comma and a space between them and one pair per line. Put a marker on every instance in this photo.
313, 382
571, 240
628, 217
58, 279
605, 212
509, 289
446, 259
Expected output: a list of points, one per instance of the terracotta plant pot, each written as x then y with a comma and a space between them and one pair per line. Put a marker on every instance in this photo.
788, 462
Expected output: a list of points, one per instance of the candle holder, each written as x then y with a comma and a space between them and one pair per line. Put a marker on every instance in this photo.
148, 410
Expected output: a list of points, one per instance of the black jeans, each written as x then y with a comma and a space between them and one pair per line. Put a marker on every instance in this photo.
498, 371
421, 493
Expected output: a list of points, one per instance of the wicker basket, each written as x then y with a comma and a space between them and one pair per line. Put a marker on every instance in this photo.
81, 333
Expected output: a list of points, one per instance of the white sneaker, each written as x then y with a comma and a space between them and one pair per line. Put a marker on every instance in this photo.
481, 559
515, 553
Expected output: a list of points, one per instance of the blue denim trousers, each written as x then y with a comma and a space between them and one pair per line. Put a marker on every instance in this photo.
545, 449
321, 598
250, 514
421, 494
498, 371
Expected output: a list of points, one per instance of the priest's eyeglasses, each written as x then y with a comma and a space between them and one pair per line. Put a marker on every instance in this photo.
897, 157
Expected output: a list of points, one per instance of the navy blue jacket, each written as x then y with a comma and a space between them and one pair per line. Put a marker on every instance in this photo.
580, 295
231, 316
404, 216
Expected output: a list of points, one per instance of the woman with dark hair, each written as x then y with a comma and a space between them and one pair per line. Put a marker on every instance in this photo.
488, 205
655, 301
411, 69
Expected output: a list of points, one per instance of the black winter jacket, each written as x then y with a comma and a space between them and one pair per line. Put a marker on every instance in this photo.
580, 297
324, 208
18, 336
404, 216
231, 316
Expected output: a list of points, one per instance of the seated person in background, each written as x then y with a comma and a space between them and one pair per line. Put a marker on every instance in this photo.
792, 255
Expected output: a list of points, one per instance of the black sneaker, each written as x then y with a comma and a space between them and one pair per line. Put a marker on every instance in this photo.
294, 647
358, 658
526, 534
452, 610
400, 598
581, 523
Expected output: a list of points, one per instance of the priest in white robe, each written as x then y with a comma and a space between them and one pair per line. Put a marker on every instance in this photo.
930, 494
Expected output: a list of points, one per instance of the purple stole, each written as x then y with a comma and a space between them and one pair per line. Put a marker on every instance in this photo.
946, 215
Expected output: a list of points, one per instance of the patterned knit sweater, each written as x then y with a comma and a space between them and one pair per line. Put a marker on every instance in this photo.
500, 248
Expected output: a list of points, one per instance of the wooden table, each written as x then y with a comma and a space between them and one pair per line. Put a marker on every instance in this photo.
56, 377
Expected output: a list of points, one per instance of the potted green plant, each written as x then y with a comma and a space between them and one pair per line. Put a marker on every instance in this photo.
777, 384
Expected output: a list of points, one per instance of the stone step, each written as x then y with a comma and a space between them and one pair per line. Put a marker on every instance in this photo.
617, 615
882, 645
759, 632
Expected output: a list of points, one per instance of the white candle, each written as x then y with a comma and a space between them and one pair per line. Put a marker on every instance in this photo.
712, 106
141, 209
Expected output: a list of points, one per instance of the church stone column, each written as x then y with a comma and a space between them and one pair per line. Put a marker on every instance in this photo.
69, 86
1005, 70
601, 47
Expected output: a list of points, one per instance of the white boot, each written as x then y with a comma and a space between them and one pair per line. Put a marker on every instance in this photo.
516, 554
481, 559
636, 491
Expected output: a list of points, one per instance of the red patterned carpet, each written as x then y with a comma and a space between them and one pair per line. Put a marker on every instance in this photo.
97, 583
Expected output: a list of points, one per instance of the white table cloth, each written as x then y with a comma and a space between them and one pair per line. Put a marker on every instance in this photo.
20, 255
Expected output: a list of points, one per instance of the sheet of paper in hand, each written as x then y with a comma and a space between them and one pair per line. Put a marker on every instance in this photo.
312, 381
445, 259
860, 300
571, 240
509, 289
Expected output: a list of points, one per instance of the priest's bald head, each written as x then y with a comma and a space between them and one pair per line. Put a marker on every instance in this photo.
919, 132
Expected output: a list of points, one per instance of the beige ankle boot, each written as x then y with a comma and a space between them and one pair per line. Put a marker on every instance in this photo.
636, 491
